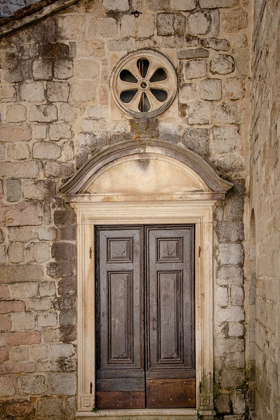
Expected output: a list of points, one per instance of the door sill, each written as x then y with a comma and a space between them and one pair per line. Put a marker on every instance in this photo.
189, 413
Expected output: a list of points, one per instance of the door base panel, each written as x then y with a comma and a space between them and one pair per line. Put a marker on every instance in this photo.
119, 400
170, 393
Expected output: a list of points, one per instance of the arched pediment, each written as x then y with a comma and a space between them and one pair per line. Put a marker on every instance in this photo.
147, 171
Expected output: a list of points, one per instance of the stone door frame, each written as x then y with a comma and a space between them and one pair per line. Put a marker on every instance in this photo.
142, 208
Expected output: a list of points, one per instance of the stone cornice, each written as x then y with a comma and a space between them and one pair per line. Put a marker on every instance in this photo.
31, 14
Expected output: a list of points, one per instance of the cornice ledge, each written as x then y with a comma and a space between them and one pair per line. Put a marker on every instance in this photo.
115, 152
31, 14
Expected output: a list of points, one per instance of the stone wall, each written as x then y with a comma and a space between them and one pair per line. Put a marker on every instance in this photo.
264, 204
56, 111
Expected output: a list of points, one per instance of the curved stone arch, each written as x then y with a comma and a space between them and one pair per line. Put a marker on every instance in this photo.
204, 177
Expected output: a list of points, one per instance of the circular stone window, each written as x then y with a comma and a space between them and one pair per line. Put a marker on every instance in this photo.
144, 84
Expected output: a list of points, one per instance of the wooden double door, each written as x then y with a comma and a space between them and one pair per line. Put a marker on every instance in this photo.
145, 317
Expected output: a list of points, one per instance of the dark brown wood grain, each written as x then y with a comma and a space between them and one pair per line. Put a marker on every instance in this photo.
120, 400
170, 393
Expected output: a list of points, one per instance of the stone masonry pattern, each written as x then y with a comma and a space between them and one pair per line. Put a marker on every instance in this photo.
56, 112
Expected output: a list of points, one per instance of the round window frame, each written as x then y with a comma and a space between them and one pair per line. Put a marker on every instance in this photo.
166, 65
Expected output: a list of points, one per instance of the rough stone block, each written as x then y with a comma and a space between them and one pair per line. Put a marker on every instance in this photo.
226, 139
115, 5
5, 325
47, 319
15, 253
233, 314
4, 292
232, 378
38, 304
63, 69
183, 5
213, 4
47, 288
46, 150
19, 354
197, 139
68, 150
230, 254
18, 151
227, 275
2, 151
242, 61
187, 92
58, 351
7, 386
235, 21
222, 64
141, 27
216, 44
238, 402
195, 68
57, 91
39, 190
62, 383
23, 321
86, 69
229, 113
230, 231
42, 70
120, 45
43, 113
234, 88
24, 214
63, 251
23, 290
165, 24
199, 23
235, 329
221, 296
95, 126
11, 306
193, 53
68, 317
51, 407
157, 5
7, 92
72, 26
59, 169
13, 133
61, 269
210, 89
102, 28
40, 131
39, 352
15, 113
22, 234
83, 91
199, 113
222, 403
60, 131
37, 252
13, 190
21, 273
32, 385
47, 233
32, 92
236, 295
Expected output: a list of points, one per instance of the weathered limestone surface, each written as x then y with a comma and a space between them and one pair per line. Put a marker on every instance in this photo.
263, 285
56, 111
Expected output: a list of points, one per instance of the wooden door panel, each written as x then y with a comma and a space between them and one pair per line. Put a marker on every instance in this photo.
171, 393
120, 355
170, 316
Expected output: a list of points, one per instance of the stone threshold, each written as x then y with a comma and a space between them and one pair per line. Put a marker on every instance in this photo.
163, 414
